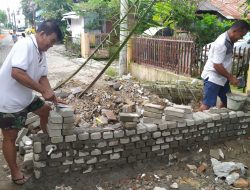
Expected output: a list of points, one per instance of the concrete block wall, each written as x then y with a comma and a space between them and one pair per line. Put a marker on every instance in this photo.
95, 149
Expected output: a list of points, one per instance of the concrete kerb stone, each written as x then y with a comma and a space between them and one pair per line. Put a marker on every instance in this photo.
145, 141
21, 134
54, 117
65, 112
174, 112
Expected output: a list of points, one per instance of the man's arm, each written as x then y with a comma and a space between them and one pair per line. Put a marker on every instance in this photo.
45, 83
222, 71
23, 78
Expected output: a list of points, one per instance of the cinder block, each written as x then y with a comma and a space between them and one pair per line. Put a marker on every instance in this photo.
152, 115
54, 132
92, 160
130, 132
68, 126
152, 120
174, 112
141, 128
187, 109
27, 141
67, 132
57, 139
115, 156
135, 138
54, 117
56, 155
197, 118
129, 117
79, 160
32, 119
240, 114
95, 135
174, 118
156, 134
37, 147
150, 127
163, 126
108, 135
171, 124
83, 136
190, 122
20, 135
154, 108
118, 133
232, 114
95, 152
204, 116
129, 125
66, 112
54, 125
70, 138
69, 119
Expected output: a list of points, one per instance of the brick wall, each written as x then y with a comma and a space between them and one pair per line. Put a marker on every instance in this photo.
94, 149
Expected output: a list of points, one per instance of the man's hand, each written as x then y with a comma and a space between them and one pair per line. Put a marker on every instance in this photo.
233, 80
48, 94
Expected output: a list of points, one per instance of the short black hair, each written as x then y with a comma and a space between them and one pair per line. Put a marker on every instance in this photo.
49, 27
240, 25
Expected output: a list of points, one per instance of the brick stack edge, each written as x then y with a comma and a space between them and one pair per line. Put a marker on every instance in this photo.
157, 134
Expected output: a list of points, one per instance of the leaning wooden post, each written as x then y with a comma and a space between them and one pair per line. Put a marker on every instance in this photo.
129, 54
248, 81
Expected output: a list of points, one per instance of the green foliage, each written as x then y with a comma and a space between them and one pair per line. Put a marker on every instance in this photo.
111, 72
96, 11
54, 9
3, 16
27, 8
175, 13
209, 28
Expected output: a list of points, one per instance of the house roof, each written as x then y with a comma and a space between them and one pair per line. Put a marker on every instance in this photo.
231, 9
70, 15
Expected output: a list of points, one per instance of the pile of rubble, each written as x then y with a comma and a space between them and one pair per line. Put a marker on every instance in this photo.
102, 105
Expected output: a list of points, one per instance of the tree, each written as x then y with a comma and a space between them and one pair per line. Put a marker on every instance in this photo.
175, 13
97, 11
54, 9
208, 28
3, 17
27, 10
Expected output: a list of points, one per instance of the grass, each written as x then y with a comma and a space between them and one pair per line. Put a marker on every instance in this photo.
111, 72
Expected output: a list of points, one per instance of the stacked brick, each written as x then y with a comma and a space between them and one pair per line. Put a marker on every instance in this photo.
102, 149
61, 123
153, 113
129, 120
32, 121
179, 113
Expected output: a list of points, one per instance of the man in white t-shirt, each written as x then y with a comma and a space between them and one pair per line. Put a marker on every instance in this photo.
24, 71
217, 71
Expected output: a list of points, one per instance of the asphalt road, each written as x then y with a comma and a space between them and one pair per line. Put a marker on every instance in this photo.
5, 46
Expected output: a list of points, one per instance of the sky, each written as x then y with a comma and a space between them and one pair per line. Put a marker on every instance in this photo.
12, 4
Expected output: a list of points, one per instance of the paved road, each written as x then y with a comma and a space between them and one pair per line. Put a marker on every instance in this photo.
5, 46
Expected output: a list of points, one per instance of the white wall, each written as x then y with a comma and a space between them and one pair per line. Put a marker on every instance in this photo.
77, 26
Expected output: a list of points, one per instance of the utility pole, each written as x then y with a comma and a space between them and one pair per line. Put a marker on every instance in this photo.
14, 19
9, 19
123, 35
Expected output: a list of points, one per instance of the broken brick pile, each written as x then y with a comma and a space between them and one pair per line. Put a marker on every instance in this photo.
157, 134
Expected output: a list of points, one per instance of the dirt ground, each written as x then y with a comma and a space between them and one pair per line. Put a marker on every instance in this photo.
140, 176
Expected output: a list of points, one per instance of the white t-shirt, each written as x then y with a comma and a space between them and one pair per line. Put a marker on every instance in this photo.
221, 52
25, 55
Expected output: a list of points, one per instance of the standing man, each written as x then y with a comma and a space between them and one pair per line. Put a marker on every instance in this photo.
217, 71
14, 36
24, 71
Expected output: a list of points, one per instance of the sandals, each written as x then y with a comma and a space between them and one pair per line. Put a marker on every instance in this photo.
20, 181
